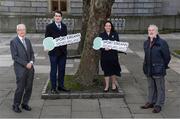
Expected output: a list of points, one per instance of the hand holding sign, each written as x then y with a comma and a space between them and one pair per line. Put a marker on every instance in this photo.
107, 44
49, 43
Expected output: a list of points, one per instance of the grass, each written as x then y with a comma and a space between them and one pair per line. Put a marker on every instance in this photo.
177, 52
70, 83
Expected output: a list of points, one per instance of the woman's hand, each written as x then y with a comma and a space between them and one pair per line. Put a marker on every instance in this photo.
107, 49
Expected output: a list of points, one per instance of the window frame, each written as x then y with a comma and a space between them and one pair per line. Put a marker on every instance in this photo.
59, 1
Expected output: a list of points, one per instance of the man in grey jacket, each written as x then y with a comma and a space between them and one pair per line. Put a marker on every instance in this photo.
23, 56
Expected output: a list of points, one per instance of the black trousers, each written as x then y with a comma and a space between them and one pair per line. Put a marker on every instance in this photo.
24, 87
57, 73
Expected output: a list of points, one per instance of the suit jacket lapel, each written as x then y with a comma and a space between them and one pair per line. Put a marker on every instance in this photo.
19, 41
55, 26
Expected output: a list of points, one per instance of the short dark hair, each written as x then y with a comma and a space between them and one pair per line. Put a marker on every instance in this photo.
58, 11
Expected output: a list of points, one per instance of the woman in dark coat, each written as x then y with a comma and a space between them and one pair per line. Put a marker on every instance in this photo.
109, 58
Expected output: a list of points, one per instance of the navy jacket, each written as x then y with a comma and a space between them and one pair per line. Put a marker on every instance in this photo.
157, 57
53, 31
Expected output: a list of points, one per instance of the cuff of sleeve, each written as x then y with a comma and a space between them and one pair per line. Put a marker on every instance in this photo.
31, 62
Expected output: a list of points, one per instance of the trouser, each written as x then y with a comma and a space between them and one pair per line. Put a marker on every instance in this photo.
156, 90
24, 87
58, 64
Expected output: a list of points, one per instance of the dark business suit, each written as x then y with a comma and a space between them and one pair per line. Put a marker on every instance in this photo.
24, 76
57, 56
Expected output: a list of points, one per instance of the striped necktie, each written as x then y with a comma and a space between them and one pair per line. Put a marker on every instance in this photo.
24, 43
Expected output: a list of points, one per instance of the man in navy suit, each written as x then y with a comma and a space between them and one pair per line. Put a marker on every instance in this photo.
23, 56
58, 55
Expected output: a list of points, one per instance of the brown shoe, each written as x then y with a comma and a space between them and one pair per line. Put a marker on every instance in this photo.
156, 109
147, 105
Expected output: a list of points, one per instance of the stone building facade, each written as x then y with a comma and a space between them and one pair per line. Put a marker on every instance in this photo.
36, 13
74, 7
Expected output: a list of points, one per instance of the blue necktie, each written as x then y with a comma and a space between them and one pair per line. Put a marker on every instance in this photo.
59, 26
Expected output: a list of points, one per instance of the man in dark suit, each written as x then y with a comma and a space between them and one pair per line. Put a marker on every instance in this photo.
58, 55
23, 56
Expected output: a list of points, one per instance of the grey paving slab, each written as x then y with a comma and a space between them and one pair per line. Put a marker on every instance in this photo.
113, 112
133, 99
89, 114
85, 105
7, 86
118, 103
55, 116
10, 95
171, 108
56, 111
34, 103
147, 115
60, 102
114, 108
4, 93
1, 100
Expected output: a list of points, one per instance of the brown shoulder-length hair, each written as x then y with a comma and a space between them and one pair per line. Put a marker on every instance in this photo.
112, 27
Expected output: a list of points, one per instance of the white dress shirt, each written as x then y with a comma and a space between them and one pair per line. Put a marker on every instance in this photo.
21, 39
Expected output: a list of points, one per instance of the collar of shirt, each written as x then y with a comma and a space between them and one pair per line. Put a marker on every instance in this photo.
21, 38
58, 24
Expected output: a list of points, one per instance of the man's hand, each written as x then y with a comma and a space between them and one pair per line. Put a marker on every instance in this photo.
29, 66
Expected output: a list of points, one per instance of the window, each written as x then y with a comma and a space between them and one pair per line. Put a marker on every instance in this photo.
54, 5
58, 5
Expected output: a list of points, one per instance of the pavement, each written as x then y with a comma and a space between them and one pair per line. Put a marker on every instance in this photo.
133, 83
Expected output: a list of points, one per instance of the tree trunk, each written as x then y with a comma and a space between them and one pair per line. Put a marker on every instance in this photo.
85, 17
99, 11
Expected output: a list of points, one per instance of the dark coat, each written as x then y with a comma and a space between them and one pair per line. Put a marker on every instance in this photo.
53, 31
111, 54
109, 59
157, 57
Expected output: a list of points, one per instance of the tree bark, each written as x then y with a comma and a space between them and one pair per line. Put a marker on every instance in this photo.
99, 11
85, 17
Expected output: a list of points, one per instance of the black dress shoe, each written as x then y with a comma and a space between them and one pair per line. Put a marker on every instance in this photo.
63, 89
156, 109
116, 89
106, 90
54, 91
26, 107
16, 109
147, 105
